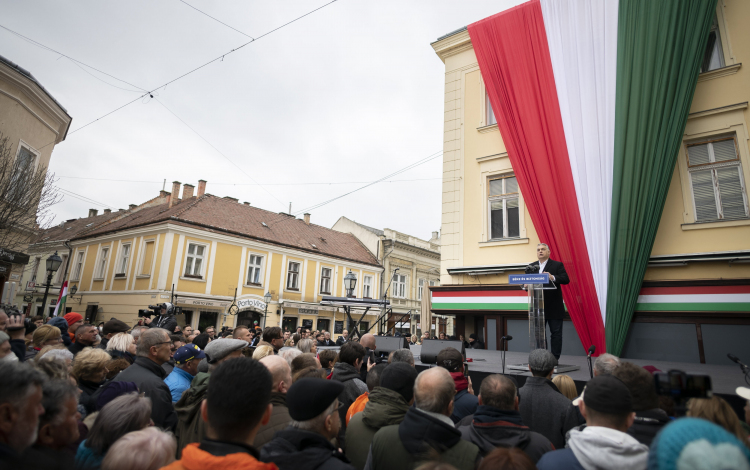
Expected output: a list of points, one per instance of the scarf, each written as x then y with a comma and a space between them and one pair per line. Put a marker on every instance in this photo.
462, 383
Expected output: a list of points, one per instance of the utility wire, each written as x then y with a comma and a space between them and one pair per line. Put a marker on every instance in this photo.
81, 197
215, 19
321, 183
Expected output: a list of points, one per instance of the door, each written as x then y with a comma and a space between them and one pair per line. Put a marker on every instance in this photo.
90, 316
289, 324
207, 319
324, 324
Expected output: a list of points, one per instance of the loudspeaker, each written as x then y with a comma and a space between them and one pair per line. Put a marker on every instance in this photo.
431, 348
384, 345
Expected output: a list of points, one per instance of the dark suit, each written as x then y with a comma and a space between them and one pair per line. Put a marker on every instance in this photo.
554, 310
341, 341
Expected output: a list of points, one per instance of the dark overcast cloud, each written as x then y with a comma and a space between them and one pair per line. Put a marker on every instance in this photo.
348, 94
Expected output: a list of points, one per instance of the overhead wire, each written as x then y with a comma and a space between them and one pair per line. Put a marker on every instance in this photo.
320, 183
215, 19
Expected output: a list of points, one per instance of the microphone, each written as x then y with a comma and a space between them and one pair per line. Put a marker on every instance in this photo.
592, 349
507, 338
735, 359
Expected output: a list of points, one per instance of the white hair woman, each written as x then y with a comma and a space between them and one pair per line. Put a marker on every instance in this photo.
122, 345
307, 346
147, 449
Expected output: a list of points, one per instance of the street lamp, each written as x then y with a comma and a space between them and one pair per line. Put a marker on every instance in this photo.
53, 264
267, 299
350, 280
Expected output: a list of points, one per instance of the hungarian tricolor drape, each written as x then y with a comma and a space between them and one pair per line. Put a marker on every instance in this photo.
591, 98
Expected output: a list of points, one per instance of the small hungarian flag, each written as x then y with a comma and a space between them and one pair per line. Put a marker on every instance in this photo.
60, 307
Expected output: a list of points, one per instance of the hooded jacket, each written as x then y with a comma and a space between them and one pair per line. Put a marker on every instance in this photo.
385, 407
545, 410
294, 449
419, 438
353, 388
595, 448
149, 377
214, 455
190, 427
279, 421
490, 427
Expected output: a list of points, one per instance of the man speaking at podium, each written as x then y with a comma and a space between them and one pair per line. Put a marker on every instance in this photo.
554, 311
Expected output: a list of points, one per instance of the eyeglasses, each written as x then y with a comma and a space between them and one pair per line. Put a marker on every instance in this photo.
163, 342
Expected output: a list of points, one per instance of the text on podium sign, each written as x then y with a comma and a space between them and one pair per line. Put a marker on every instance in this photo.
542, 278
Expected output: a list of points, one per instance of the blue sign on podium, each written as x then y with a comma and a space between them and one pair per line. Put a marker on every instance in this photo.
542, 278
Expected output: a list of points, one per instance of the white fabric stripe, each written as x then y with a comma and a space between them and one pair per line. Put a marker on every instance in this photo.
656, 299
480, 300
582, 39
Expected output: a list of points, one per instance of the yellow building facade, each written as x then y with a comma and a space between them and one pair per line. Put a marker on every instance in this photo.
207, 250
693, 252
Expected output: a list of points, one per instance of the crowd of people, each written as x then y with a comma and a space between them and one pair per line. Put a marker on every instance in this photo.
115, 397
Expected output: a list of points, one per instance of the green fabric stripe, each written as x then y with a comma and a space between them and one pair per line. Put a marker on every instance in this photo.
488, 306
659, 51
695, 307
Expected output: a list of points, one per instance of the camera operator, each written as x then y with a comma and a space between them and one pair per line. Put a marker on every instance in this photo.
166, 318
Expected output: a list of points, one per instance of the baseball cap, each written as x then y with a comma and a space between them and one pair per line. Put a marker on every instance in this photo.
608, 394
188, 352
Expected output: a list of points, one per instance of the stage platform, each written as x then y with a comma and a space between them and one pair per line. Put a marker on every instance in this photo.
725, 379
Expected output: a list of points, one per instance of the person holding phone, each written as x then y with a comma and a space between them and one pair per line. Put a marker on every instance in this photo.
13, 323
465, 403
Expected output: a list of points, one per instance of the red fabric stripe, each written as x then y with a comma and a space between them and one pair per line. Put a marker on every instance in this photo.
511, 48
695, 290
479, 293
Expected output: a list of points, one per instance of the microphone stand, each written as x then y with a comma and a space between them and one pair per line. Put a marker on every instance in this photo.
505, 340
591, 369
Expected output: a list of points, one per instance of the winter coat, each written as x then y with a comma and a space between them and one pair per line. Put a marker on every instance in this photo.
178, 381
294, 449
168, 322
545, 410
464, 404
385, 407
190, 427
647, 425
87, 459
279, 421
419, 438
18, 346
31, 353
490, 427
597, 447
88, 392
353, 388
341, 341
213, 455
40, 457
149, 377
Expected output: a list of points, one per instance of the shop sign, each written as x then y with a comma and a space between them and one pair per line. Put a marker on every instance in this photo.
31, 285
13, 257
15, 277
28, 298
307, 311
254, 304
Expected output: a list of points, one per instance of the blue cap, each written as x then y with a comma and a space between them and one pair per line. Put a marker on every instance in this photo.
188, 352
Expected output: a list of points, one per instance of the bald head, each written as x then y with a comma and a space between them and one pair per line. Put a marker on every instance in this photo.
281, 373
368, 341
434, 391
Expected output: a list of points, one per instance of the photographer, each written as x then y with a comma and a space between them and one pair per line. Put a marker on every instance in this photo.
12, 323
166, 318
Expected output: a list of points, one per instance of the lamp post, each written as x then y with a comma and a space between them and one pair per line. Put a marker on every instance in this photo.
53, 264
350, 281
267, 299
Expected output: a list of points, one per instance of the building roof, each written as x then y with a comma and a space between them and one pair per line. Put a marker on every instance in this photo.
28, 75
222, 215
377, 232
73, 228
459, 30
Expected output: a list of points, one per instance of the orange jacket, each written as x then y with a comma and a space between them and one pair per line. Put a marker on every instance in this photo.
195, 459
357, 406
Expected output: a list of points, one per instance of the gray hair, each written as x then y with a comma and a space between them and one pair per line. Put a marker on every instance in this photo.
401, 355
150, 338
436, 395
290, 354
137, 331
124, 414
120, 342
54, 395
148, 448
18, 382
542, 244
541, 362
305, 345
53, 354
4, 337
318, 422
606, 364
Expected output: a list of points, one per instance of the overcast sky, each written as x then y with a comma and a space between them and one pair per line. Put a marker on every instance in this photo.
344, 96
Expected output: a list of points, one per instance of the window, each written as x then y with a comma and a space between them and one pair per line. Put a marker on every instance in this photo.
716, 178
122, 265
490, 113
102, 268
23, 169
60, 277
292, 276
254, 266
325, 281
399, 286
367, 287
148, 258
194, 261
713, 56
78, 268
37, 262
420, 289
503, 207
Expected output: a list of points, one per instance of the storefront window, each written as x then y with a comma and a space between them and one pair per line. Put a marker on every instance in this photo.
207, 319
323, 324
364, 326
248, 318
289, 324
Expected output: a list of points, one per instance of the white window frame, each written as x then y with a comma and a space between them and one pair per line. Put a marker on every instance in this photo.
399, 286
293, 276
714, 166
202, 258
78, 268
101, 263
254, 269
716, 30
504, 198
367, 287
60, 275
123, 260
490, 118
326, 282
420, 289
142, 268
34, 153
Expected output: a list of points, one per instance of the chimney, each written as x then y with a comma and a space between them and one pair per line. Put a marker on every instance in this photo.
163, 193
107, 211
201, 187
307, 219
246, 203
132, 206
187, 191
93, 212
232, 198
175, 193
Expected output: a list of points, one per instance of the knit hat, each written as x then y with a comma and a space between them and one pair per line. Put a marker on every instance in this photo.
113, 390
218, 349
115, 326
400, 377
696, 444
59, 322
309, 397
608, 394
73, 317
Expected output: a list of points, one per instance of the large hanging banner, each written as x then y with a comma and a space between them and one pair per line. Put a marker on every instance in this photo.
591, 99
